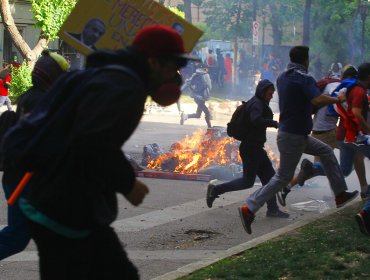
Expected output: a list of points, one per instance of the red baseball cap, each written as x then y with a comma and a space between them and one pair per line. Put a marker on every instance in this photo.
161, 41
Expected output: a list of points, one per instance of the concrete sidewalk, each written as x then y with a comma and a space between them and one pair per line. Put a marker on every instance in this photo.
192, 267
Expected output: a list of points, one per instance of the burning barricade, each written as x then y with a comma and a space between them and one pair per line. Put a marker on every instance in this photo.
205, 155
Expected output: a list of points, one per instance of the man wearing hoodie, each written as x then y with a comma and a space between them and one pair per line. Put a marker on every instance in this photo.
73, 199
254, 157
297, 93
15, 236
200, 85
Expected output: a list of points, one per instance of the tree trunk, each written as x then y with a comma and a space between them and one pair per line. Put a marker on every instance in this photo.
17, 39
306, 23
187, 10
236, 46
277, 33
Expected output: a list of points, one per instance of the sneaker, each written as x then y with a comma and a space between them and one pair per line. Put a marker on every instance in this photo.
281, 196
345, 197
183, 118
306, 171
277, 214
362, 220
247, 218
211, 194
365, 195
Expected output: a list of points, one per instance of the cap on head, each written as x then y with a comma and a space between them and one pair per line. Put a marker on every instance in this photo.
160, 41
48, 68
349, 71
62, 62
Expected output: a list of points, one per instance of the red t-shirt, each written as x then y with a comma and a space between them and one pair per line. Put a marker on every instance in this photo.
341, 130
356, 98
4, 91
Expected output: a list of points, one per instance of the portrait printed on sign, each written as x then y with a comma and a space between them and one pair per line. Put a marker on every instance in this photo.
112, 24
93, 30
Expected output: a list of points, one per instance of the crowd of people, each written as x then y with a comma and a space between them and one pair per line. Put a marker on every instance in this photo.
69, 201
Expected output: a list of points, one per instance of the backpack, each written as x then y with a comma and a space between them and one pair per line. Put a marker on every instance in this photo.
198, 86
7, 120
238, 125
28, 142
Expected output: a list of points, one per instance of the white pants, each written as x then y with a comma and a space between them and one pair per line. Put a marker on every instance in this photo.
6, 100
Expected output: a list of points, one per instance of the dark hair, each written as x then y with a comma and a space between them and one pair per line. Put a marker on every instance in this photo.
299, 54
350, 72
364, 71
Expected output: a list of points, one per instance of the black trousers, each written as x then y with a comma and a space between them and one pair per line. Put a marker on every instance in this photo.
99, 256
255, 163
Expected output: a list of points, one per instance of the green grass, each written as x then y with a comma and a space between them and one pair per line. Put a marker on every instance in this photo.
329, 248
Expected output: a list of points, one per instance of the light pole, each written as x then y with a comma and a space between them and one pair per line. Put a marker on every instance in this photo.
363, 10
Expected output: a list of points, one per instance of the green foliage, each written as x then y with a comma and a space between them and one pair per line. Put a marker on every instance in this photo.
177, 12
230, 18
50, 15
336, 32
21, 81
208, 33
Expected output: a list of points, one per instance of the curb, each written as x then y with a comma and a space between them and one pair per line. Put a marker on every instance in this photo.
190, 268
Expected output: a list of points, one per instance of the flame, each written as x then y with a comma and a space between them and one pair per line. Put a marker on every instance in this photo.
197, 152
201, 150
275, 160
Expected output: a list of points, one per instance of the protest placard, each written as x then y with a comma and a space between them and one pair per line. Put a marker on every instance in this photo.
112, 24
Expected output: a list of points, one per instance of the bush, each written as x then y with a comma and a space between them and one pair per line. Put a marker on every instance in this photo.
21, 81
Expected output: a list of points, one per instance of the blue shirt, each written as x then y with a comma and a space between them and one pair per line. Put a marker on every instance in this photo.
296, 89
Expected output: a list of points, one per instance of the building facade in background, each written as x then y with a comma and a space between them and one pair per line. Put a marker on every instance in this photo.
23, 18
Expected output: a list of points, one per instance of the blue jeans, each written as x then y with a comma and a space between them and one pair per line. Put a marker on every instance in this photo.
366, 207
291, 147
346, 158
255, 163
15, 237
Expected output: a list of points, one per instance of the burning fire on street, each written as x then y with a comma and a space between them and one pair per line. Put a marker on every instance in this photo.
202, 150
197, 152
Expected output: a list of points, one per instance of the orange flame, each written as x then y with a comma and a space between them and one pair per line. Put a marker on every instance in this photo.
197, 152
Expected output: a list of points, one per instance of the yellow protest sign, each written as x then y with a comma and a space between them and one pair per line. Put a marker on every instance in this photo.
112, 24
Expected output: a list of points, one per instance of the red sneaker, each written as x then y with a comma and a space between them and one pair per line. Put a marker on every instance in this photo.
247, 218
345, 197
363, 222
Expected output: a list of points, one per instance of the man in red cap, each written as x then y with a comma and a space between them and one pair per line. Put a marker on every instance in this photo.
73, 200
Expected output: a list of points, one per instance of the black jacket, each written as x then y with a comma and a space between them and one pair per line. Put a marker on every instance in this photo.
259, 115
78, 188
28, 100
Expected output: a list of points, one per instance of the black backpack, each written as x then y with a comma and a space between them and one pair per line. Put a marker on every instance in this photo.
198, 85
238, 125
7, 120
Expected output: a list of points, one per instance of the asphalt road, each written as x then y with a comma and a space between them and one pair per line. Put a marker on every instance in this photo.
174, 227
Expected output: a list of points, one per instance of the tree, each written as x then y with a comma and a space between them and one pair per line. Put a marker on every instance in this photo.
187, 10
281, 15
336, 31
306, 23
49, 16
